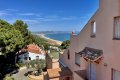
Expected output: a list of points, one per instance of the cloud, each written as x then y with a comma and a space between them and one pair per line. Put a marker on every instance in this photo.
28, 14
55, 18
68, 18
7, 12
45, 19
3, 13
31, 20
12, 10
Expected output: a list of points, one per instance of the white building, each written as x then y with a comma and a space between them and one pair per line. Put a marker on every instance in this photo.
32, 52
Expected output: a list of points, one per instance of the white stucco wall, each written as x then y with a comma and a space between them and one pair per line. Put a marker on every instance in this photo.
33, 56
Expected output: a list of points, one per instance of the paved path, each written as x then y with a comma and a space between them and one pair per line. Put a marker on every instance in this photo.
20, 75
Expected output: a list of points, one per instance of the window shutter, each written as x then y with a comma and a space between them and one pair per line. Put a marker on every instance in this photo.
117, 27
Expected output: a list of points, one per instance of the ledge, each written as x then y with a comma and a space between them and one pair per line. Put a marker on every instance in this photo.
116, 38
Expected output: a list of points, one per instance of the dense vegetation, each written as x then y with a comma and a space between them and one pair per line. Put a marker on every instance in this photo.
22, 27
65, 44
13, 37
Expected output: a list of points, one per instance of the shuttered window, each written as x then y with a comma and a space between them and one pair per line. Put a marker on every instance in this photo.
117, 28
93, 33
77, 59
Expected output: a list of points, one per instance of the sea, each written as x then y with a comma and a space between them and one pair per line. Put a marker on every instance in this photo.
59, 36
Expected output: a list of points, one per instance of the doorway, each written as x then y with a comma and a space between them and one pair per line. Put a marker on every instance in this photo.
92, 71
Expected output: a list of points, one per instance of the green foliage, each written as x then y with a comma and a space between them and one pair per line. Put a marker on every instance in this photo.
22, 27
14, 37
4, 24
11, 39
38, 40
65, 44
41, 41
37, 64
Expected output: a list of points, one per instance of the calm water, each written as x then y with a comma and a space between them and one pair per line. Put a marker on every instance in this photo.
59, 36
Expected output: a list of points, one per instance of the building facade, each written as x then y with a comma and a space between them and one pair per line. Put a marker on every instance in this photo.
94, 53
32, 52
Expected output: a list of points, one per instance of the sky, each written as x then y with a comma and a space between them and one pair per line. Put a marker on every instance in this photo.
49, 15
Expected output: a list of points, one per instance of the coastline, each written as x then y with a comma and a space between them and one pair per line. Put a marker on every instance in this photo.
51, 41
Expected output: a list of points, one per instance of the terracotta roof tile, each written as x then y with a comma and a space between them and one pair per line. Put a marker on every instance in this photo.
58, 72
35, 49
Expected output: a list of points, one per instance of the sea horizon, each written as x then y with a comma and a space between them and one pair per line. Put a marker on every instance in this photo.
56, 35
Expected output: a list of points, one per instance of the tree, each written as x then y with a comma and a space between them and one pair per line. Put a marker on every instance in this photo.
11, 39
3, 23
65, 44
22, 27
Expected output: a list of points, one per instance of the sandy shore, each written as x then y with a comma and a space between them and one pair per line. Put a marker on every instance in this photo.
51, 41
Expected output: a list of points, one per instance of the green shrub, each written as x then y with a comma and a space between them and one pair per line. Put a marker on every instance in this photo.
65, 44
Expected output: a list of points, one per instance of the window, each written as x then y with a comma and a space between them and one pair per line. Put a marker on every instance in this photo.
93, 24
77, 59
68, 54
117, 28
25, 58
115, 75
37, 57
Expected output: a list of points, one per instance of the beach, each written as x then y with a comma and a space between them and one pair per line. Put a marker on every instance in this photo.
51, 41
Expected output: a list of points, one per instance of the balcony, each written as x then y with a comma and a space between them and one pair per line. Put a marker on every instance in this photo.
82, 74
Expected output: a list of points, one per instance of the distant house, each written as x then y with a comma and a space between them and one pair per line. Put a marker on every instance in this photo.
31, 52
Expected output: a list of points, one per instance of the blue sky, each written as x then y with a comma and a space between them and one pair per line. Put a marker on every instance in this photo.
49, 15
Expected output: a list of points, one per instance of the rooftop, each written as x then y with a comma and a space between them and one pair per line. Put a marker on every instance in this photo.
58, 72
32, 48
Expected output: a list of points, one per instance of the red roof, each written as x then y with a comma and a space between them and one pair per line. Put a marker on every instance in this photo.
34, 49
